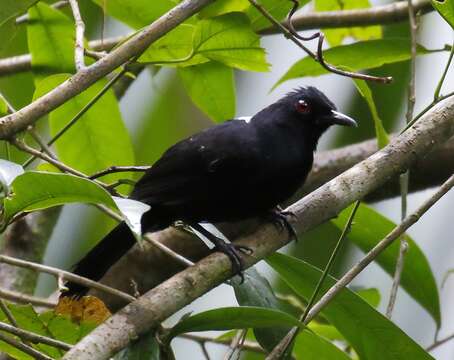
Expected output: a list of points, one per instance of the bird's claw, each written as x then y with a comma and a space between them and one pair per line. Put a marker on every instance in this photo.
233, 253
279, 219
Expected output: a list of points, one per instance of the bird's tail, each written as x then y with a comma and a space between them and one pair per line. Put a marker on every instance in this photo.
106, 253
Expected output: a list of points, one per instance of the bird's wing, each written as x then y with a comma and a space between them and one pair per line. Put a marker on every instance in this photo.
195, 166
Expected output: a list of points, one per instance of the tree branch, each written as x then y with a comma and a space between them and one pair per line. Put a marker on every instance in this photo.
151, 309
377, 15
148, 266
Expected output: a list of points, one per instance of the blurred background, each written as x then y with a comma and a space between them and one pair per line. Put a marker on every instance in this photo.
158, 112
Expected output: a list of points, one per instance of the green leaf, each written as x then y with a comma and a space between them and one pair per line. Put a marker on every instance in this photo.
366, 93
221, 7
145, 348
50, 36
3, 107
35, 190
211, 86
446, 10
371, 295
358, 56
230, 39
99, 139
12, 8
336, 36
417, 278
46, 324
174, 49
277, 8
310, 346
371, 334
227, 318
255, 290
8, 31
137, 13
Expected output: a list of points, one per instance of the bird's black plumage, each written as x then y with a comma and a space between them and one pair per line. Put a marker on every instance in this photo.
233, 171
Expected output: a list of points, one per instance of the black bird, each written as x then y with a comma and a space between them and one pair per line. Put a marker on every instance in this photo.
233, 171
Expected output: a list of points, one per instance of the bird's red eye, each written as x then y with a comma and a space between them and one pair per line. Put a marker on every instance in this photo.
302, 107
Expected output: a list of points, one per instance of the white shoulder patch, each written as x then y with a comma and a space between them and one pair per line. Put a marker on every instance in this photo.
246, 119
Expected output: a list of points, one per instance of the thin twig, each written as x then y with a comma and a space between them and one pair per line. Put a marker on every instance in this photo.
57, 5
45, 148
247, 345
9, 107
63, 167
95, 54
443, 76
7, 313
290, 34
426, 109
66, 275
79, 51
440, 342
116, 169
405, 178
25, 299
181, 259
280, 349
24, 348
378, 249
235, 344
34, 338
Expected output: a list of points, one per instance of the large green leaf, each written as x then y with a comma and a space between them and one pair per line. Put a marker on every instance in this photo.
417, 278
8, 31
256, 291
145, 348
99, 139
12, 8
211, 86
357, 56
310, 346
50, 40
230, 39
227, 318
174, 49
446, 9
137, 13
371, 334
336, 36
36, 190
221, 7
366, 93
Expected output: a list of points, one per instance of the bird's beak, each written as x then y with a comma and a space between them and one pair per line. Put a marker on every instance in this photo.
337, 118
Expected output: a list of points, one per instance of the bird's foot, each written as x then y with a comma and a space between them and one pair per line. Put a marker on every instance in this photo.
233, 253
279, 218
231, 250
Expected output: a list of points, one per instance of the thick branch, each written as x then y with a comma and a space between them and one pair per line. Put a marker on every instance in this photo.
11, 124
147, 312
329, 19
149, 266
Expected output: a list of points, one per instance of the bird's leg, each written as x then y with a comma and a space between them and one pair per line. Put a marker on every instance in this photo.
229, 249
278, 217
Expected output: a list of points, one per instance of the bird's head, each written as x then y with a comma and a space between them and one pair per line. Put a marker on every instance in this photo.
313, 109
